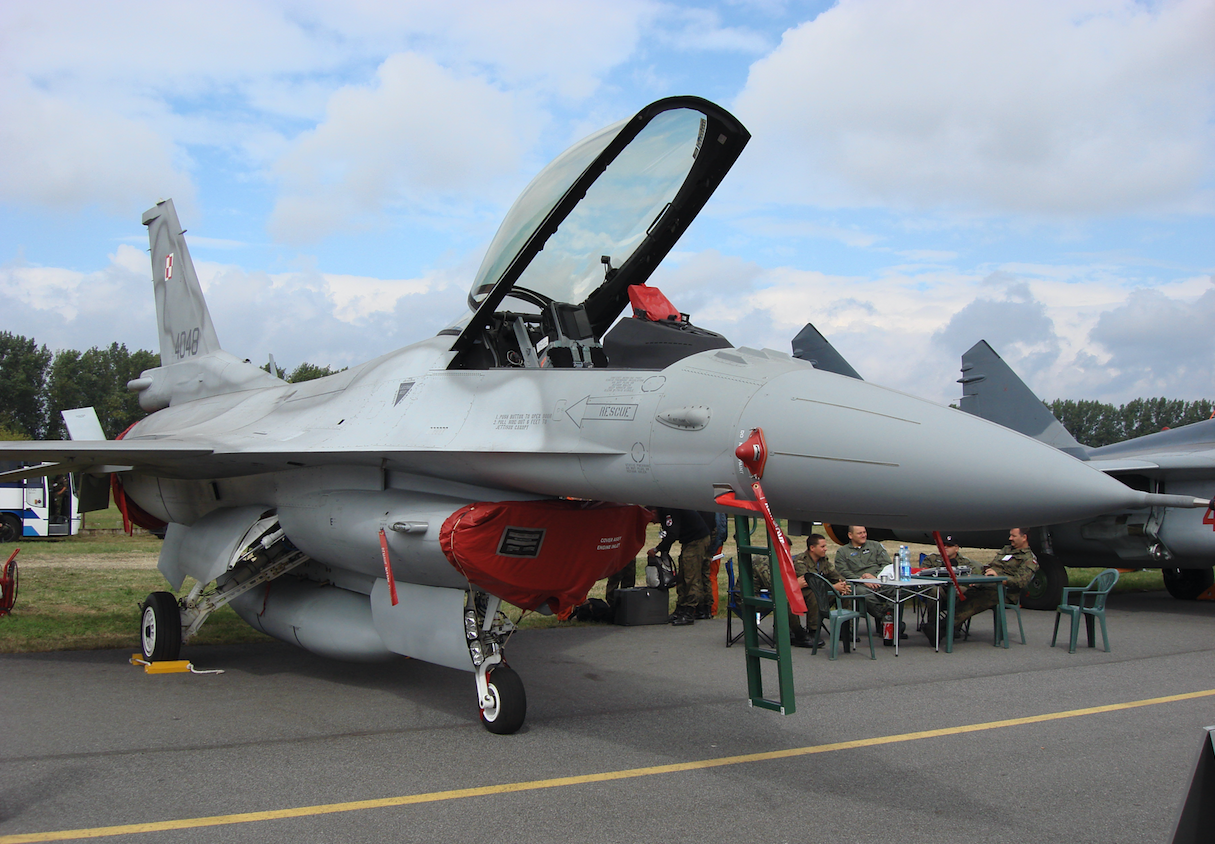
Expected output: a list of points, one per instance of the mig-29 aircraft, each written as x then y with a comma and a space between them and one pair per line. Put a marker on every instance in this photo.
394, 507
1178, 541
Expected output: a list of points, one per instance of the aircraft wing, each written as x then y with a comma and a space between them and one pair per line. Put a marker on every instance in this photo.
54, 456
169, 459
1114, 466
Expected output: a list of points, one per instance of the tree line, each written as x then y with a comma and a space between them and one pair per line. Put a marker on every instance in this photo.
36, 383
1095, 424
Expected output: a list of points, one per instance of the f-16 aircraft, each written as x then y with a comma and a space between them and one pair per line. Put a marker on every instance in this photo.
397, 506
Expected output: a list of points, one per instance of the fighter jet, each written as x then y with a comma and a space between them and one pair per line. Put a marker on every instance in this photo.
1180, 541
1181, 461
396, 507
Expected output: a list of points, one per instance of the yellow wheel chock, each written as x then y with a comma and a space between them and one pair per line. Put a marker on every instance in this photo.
170, 666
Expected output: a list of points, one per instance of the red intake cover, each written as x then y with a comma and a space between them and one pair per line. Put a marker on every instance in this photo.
542, 552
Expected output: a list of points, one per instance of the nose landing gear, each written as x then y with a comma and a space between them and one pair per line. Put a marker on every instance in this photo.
500, 692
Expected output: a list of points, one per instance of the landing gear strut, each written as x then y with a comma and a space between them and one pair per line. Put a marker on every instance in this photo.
500, 692
166, 622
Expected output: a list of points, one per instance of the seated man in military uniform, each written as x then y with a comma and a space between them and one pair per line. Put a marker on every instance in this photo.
1016, 561
956, 558
863, 558
814, 561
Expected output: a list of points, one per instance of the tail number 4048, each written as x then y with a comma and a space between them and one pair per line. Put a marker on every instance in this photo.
186, 343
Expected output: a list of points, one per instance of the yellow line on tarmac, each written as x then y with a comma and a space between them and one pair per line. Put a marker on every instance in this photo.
558, 782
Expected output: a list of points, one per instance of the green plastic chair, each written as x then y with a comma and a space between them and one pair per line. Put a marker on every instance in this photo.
839, 616
1011, 606
1090, 603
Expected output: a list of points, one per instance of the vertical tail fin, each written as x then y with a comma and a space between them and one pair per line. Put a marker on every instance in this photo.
185, 324
992, 391
810, 345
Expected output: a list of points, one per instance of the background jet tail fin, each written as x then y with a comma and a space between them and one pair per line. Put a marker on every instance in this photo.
82, 424
811, 346
186, 330
992, 391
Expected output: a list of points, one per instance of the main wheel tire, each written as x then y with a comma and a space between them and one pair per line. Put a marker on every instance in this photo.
160, 627
1187, 584
10, 527
506, 714
1045, 591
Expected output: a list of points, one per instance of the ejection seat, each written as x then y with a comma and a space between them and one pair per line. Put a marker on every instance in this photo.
571, 340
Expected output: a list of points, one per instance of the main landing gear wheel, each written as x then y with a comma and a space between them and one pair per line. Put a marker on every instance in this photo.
10, 528
1187, 584
507, 708
160, 627
1045, 591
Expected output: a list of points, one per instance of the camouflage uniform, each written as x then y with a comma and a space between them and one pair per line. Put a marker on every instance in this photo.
933, 561
689, 528
870, 558
1018, 566
802, 565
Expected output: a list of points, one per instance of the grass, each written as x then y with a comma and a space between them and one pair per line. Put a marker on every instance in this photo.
109, 519
68, 608
94, 546
75, 595
1146, 580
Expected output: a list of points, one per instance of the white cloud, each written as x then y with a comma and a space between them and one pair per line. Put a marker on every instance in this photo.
1161, 346
66, 309
328, 320
1069, 332
381, 147
335, 320
1038, 107
103, 102
63, 153
702, 29
563, 47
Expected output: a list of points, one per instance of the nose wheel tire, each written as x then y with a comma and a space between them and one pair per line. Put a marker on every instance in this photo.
507, 708
160, 627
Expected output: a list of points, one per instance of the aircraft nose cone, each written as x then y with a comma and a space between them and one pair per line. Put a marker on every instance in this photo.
851, 452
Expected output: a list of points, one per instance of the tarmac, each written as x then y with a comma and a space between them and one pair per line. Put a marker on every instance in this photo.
633, 734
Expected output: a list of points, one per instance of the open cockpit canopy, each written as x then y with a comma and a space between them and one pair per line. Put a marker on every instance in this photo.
599, 218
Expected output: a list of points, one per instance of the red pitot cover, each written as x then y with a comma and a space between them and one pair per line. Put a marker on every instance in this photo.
536, 552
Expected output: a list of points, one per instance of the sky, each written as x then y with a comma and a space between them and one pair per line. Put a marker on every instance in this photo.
922, 174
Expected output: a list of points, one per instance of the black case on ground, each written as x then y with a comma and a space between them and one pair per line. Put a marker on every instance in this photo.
642, 605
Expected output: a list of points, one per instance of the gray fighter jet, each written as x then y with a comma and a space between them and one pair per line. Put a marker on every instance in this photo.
1180, 542
395, 507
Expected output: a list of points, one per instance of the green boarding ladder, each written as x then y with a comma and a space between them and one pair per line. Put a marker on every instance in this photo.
753, 604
